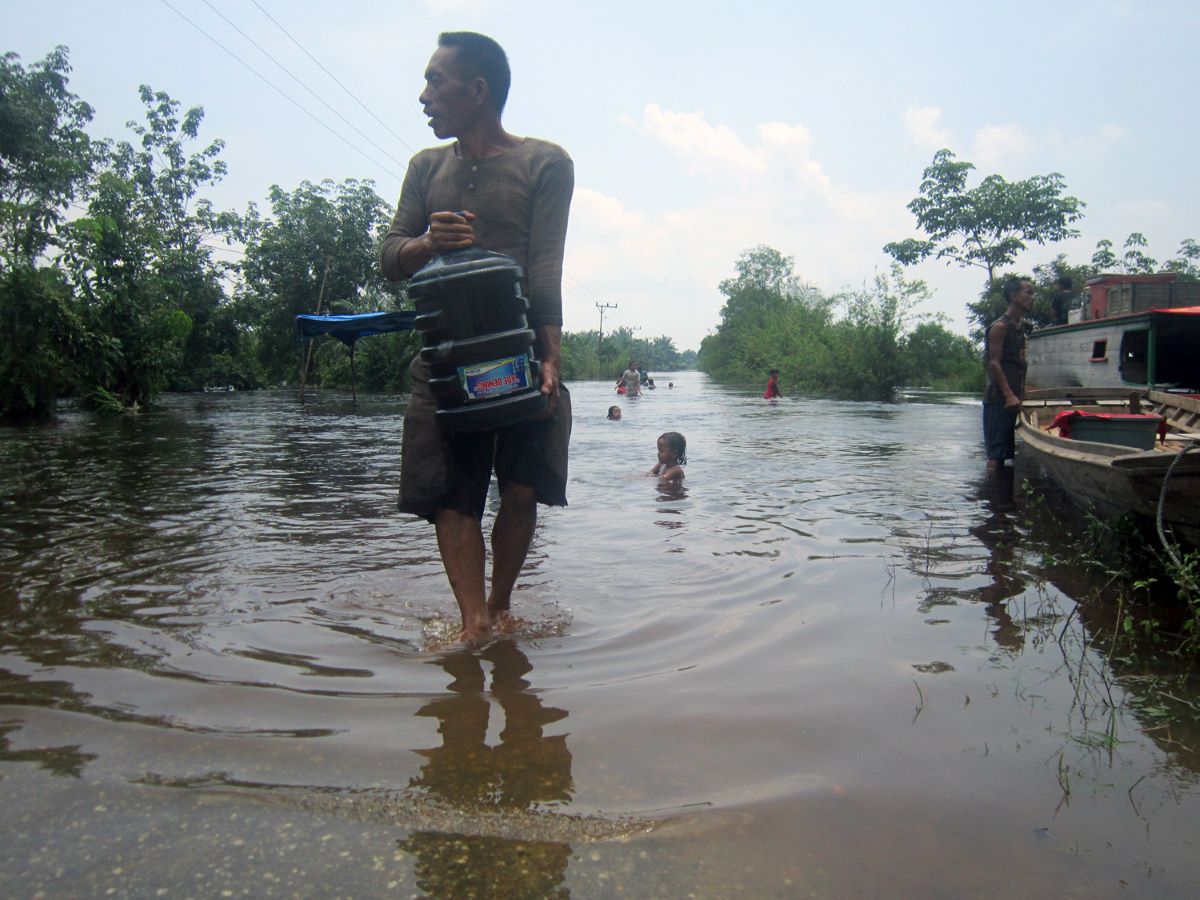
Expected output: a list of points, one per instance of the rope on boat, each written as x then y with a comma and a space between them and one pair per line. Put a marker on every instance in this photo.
1162, 496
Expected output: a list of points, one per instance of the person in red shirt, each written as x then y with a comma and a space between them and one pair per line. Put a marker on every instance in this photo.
772, 390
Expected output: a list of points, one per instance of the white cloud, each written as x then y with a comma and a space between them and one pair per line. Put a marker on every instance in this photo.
923, 124
1001, 146
705, 146
663, 264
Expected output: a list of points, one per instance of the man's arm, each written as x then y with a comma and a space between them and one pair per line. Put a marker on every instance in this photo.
412, 241
995, 354
547, 241
447, 231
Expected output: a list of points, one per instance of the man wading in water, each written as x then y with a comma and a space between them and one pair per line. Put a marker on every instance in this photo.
1004, 353
496, 191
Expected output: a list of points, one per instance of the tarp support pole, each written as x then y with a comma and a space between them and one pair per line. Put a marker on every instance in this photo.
308, 355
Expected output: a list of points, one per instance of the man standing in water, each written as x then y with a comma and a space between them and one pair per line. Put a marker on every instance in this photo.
1004, 350
497, 191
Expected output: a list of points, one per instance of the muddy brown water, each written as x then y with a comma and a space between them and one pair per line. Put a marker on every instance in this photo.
835, 662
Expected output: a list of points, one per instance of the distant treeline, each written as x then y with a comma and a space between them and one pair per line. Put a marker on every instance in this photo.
860, 345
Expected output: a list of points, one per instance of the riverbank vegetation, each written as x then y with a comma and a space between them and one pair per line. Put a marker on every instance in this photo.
858, 344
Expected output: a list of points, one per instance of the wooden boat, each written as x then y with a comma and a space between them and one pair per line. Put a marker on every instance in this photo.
1102, 471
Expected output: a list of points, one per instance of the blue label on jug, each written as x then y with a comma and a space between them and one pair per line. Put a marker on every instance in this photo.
496, 378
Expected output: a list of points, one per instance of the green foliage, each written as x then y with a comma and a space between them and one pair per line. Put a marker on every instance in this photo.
1187, 261
771, 319
868, 338
587, 358
988, 225
45, 155
938, 359
1135, 260
39, 337
45, 161
143, 274
317, 254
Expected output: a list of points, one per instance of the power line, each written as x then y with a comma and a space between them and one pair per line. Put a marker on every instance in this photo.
580, 286
283, 94
353, 97
300, 82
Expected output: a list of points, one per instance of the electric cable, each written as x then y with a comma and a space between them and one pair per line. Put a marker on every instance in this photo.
284, 94
352, 95
300, 82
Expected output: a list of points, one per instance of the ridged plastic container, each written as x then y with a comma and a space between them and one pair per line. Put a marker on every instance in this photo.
473, 318
1137, 432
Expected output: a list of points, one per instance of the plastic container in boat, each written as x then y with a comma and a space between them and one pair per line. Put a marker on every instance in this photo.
473, 318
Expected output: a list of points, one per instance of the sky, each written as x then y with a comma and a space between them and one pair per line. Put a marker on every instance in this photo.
698, 129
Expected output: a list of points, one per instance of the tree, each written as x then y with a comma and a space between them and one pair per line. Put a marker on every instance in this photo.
868, 346
318, 253
45, 160
770, 319
1187, 261
935, 357
141, 264
47, 156
988, 225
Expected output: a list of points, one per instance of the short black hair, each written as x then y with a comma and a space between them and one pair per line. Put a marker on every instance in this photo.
481, 57
1011, 287
678, 444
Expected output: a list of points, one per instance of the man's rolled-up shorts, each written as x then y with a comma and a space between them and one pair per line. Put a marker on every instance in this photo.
453, 471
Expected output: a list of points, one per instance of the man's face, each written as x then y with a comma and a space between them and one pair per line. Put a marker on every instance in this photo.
1024, 296
448, 99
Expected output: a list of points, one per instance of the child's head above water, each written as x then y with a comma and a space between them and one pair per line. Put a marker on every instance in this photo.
614, 412
672, 449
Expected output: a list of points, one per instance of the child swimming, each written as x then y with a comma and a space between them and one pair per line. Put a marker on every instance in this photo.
614, 412
672, 457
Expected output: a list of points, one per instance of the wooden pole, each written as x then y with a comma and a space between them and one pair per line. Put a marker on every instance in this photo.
308, 355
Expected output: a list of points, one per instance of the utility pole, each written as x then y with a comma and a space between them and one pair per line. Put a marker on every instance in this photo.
600, 340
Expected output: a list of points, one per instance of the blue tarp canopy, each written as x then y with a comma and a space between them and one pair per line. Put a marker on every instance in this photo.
349, 329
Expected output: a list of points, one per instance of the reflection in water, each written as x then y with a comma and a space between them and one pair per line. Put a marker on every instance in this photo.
63, 761
1000, 535
527, 771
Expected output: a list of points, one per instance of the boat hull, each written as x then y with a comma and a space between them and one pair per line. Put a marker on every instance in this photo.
1109, 480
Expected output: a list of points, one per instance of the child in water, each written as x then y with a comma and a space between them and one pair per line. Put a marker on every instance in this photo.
672, 457
614, 413
772, 390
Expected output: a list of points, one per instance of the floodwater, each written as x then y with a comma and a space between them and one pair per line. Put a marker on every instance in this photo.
834, 662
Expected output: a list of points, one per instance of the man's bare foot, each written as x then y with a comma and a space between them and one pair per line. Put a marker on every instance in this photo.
504, 622
475, 636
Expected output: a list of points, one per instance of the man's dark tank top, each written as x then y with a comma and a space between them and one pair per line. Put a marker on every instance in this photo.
1012, 361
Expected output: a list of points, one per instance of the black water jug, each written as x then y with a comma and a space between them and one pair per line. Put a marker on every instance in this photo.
479, 347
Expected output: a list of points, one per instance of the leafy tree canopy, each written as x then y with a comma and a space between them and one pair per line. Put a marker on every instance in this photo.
45, 155
988, 225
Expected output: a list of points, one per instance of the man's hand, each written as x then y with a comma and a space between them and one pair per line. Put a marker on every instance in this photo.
450, 231
550, 350
550, 382
1012, 401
